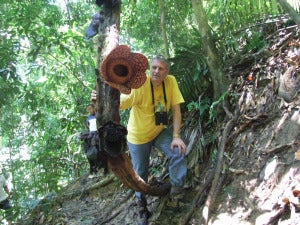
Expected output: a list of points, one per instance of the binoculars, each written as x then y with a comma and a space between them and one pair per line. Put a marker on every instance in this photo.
161, 118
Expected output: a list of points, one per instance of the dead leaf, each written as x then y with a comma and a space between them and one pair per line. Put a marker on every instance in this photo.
237, 171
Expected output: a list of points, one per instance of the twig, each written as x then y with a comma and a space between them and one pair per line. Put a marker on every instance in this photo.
279, 148
281, 43
279, 30
257, 120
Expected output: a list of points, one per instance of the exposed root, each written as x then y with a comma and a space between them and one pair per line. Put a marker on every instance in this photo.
198, 200
109, 214
276, 149
86, 189
212, 193
160, 208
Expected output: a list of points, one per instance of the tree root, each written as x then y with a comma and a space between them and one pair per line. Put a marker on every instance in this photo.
198, 200
160, 208
274, 216
107, 216
87, 189
279, 148
219, 165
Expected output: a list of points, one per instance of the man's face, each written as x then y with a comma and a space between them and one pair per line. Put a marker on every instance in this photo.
158, 71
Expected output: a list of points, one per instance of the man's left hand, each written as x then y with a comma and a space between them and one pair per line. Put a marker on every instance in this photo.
178, 142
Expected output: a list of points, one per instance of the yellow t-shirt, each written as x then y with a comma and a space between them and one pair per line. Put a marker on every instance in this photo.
141, 125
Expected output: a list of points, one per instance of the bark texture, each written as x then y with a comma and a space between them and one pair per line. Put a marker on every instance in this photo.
220, 83
162, 13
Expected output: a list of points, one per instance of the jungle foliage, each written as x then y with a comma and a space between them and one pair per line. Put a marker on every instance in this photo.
47, 73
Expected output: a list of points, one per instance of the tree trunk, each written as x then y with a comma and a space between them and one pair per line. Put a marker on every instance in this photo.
163, 26
290, 10
220, 83
108, 102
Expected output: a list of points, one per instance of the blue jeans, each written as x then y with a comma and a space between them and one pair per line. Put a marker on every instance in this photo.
140, 156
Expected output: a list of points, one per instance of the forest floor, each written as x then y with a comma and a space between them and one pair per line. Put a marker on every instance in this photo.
260, 177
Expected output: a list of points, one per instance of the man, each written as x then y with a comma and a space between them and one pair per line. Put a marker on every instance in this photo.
150, 105
4, 198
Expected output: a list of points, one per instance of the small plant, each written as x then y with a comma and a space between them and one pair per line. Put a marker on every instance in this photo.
200, 105
212, 109
255, 43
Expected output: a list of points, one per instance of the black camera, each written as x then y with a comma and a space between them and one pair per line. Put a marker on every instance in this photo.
161, 117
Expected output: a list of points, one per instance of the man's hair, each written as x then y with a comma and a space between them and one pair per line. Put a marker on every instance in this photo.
91, 105
162, 59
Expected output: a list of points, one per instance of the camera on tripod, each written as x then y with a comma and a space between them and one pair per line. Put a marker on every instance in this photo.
161, 118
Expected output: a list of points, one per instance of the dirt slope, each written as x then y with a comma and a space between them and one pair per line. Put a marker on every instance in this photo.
263, 158
261, 173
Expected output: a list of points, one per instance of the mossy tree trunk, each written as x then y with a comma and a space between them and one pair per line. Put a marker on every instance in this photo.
162, 13
220, 83
108, 99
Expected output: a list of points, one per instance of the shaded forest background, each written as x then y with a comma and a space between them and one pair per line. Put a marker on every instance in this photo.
47, 72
